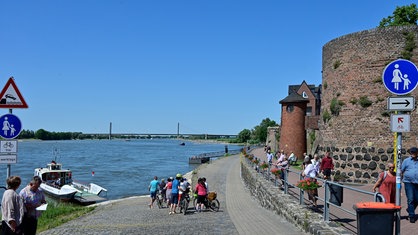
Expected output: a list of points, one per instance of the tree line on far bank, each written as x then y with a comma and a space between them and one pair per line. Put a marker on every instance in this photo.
256, 135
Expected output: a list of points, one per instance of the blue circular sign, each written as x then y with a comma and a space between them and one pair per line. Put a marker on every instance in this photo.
400, 77
11, 126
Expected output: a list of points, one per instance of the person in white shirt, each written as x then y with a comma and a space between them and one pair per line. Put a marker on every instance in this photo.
269, 156
292, 158
310, 173
281, 157
316, 162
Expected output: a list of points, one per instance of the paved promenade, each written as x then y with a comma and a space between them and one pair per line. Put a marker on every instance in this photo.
239, 213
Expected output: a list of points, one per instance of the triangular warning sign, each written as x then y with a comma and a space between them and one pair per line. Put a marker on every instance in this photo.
10, 96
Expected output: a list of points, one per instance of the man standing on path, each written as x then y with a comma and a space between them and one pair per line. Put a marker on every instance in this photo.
32, 197
409, 174
327, 166
153, 187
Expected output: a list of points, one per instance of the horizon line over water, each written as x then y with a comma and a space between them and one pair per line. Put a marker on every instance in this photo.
124, 168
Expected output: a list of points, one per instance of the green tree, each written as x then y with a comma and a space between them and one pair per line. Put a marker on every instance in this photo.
405, 15
260, 131
244, 136
26, 134
41, 134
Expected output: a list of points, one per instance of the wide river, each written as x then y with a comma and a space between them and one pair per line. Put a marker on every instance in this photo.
124, 168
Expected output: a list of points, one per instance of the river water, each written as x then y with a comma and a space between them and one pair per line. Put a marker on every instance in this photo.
124, 168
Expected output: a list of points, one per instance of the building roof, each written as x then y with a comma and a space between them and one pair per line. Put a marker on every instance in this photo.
316, 90
294, 98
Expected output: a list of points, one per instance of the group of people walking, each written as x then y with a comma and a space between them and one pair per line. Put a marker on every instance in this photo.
174, 190
19, 214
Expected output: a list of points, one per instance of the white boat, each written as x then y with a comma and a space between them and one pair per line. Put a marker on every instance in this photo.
58, 183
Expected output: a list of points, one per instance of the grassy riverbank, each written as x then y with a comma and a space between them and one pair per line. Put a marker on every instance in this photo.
59, 213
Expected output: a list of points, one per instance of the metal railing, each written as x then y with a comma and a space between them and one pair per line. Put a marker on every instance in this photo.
327, 186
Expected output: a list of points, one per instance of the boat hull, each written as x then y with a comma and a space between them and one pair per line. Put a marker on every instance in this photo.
64, 193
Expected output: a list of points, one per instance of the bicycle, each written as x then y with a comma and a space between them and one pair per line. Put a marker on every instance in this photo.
210, 201
160, 200
184, 203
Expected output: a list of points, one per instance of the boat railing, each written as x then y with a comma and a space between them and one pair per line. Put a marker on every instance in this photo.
81, 185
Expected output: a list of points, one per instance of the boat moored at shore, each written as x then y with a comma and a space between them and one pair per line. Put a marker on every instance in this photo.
58, 183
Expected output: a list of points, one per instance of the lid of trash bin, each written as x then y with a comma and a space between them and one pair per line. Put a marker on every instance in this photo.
376, 205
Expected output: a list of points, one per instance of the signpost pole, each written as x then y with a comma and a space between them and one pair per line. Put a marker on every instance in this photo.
9, 167
398, 183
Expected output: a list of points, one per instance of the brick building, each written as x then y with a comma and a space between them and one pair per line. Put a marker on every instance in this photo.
300, 112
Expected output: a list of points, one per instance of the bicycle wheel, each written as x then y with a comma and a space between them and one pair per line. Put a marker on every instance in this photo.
194, 202
185, 206
214, 205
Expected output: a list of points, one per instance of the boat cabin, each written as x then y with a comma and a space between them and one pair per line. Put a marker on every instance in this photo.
54, 175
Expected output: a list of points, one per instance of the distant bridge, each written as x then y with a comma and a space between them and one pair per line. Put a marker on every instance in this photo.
158, 135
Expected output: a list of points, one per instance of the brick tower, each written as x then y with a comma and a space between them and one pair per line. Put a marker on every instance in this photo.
293, 134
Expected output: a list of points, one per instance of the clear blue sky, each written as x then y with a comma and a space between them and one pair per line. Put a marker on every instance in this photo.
215, 67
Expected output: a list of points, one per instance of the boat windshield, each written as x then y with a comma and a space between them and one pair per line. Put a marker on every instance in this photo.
53, 166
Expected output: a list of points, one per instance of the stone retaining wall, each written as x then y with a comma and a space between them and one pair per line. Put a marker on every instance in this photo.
284, 205
360, 165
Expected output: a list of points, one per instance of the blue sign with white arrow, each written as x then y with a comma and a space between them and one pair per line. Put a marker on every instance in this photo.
11, 127
400, 77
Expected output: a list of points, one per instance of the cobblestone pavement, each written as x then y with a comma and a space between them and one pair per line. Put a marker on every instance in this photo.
238, 214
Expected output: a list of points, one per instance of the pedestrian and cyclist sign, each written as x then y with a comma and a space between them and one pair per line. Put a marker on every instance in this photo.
11, 127
400, 77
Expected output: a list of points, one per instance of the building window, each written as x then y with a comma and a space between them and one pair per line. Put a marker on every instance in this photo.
308, 111
290, 108
304, 95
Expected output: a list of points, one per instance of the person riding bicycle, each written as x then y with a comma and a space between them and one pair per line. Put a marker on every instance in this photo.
201, 192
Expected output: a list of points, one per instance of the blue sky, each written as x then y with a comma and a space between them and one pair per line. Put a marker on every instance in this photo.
215, 67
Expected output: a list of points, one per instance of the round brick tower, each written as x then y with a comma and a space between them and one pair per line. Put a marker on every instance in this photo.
293, 122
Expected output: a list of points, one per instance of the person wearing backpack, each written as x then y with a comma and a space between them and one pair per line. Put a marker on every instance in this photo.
386, 184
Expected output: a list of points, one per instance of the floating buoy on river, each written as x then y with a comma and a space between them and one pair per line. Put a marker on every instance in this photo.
92, 173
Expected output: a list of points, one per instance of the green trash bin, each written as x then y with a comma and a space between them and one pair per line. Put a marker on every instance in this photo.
375, 217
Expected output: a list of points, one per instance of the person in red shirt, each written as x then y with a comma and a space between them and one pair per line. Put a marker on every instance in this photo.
327, 166
201, 191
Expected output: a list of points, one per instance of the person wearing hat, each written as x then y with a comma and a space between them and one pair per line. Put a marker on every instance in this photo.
409, 174
175, 194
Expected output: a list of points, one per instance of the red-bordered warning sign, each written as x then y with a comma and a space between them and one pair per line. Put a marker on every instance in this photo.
10, 96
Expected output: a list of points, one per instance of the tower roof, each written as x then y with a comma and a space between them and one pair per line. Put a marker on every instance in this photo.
294, 98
